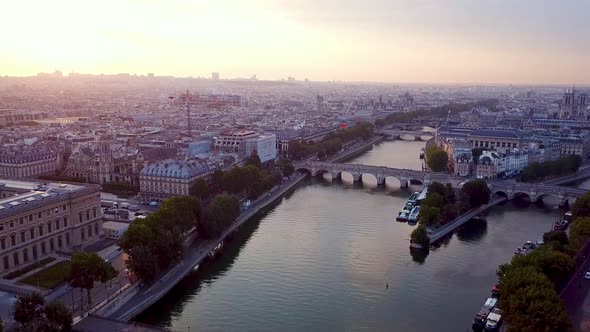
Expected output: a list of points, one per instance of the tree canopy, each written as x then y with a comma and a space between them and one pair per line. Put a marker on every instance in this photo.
87, 268
420, 236
440, 205
437, 159
221, 212
199, 189
561, 166
476, 192
31, 313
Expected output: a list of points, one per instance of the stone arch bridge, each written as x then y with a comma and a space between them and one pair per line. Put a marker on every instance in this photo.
508, 188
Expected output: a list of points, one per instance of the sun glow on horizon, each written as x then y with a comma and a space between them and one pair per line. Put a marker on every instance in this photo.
407, 41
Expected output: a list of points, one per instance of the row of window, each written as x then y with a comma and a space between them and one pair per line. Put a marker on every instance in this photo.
487, 144
32, 217
33, 232
90, 230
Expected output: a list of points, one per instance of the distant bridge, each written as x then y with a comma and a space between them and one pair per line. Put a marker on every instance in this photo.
399, 134
507, 188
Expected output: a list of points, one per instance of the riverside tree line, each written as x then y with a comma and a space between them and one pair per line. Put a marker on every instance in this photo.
156, 242
332, 144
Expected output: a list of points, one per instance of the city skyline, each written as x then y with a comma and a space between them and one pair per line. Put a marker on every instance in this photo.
526, 42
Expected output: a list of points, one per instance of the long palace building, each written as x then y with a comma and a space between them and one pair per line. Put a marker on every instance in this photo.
37, 219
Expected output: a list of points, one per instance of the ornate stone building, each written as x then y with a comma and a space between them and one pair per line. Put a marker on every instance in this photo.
103, 162
169, 178
20, 162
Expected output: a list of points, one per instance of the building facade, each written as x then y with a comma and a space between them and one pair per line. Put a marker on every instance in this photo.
37, 219
168, 178
265, 146
493, 139
23, 163
574, 105
231, 140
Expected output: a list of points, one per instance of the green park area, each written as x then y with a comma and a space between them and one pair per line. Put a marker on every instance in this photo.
49, 277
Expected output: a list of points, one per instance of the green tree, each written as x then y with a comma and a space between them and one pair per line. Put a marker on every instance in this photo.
581, 207
579, 232
553, 264
420, 236
429, 215
200, 189
178, 214
437, 159
476, 153
87, 268
142, 263
32, 314
58, 316
286, 166
529, 301
434, 199
27, 311
221, 212
557, 236
254, 160
476, 192
234, 180
217, 180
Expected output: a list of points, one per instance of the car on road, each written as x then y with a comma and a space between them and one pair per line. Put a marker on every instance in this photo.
587, 276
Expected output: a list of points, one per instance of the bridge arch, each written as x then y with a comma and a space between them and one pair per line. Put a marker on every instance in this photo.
552, 196
522, 195
501, 193
369, 178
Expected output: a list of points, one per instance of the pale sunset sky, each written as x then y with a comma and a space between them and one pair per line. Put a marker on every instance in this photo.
428, 41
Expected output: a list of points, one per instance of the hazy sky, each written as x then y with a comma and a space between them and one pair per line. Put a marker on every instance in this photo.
463, 41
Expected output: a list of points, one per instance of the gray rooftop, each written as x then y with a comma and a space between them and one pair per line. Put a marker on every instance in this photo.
485, 132
181, 169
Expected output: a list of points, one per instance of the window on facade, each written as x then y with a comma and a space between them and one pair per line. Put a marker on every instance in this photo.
49, 227
57, 225
25, 255
15, 258
80, 217
51, 245
39, 215
21, 220
65, 221
87, 214
13, 240
11, 224
3, 243
35, 251
96, 228
63, 207
22, 237
40, 230
32, 233
43, 248
6, 264
82, 234
67, 239
1, 227
59, 242
94, 212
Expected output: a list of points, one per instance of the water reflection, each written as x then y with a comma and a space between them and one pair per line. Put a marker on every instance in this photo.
473, 231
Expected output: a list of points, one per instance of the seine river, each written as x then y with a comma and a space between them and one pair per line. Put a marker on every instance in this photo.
320, 260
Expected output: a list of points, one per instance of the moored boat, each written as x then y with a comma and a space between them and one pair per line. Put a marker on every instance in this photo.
481, 317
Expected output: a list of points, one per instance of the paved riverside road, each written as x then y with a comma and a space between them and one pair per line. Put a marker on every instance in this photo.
194, 254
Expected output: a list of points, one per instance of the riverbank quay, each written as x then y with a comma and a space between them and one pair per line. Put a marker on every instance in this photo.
356, 149
197, 251
451, 226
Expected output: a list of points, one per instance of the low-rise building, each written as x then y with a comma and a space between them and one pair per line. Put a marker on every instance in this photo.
37, 219
487, 166
114, 230
170, 177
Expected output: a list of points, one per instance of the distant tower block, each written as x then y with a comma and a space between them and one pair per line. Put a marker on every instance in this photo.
320, 103
215, 76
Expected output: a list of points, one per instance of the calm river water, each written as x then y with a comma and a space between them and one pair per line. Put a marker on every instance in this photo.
320, 260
